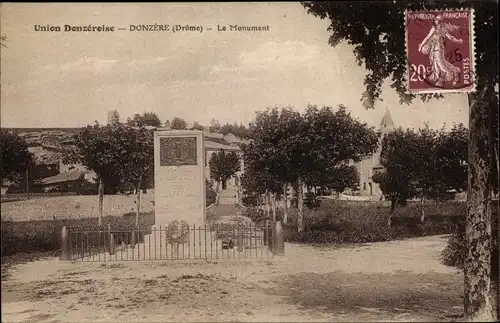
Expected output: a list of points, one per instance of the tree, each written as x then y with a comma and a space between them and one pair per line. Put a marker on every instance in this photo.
197, 126
296, 149
412, 168
15, 159
146, 119
427, 182
178, 124
116, 153
268, 156
35, 173
425, 164
214, 126
239, 131
387, 60
114, 117
223, 165
137, 160
336, 177
339, 138
397, 158
451, 156
258, 180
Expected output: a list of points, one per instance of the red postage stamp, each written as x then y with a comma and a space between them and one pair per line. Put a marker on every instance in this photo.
440, 51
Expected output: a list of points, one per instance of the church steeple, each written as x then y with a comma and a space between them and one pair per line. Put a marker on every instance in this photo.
387, 125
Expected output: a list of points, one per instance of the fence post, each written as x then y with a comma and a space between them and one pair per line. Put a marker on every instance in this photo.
132, 242
278, 239
111, 241
240, 238
64, 244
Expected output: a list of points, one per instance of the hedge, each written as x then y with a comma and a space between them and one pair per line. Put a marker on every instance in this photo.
361, 222
45, 235
455, 251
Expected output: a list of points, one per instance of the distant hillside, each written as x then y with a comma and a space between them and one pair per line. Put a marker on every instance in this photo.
46, 144
39, 130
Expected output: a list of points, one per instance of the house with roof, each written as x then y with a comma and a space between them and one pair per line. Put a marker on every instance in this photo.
215, 142
71, 178
71, 181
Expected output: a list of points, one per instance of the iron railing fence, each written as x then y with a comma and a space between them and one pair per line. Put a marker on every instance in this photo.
218, 242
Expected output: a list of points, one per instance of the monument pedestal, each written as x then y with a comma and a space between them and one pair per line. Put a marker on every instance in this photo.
179, 177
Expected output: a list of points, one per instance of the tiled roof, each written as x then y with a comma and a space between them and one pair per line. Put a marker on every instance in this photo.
216, 145
62, 178
217, 140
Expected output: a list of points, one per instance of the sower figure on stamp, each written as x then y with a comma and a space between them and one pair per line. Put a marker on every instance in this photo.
433, 45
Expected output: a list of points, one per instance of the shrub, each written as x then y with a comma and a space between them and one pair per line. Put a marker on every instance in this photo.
455, 251
310, 201
360, 222
249, 200
45, 235
210, 194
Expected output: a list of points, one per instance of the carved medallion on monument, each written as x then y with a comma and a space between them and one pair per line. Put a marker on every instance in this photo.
178, 151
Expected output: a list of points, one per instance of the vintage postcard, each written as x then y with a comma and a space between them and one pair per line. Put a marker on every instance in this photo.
249, 162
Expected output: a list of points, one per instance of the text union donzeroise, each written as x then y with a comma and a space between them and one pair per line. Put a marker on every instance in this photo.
75, 28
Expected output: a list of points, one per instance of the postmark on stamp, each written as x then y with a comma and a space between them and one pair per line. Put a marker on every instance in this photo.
440, 51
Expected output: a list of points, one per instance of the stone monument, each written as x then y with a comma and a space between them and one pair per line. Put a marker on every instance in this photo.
179, 177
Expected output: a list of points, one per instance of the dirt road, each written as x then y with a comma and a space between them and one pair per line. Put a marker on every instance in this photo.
397, 281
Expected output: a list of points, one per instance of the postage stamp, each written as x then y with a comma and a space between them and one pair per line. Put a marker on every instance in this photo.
440, 51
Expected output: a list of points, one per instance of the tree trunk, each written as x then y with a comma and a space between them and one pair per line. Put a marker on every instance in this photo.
477, 266
422, 210
100, 192
138, 211
27, 181
300, 202
495, 150
394, 201
285, 208
266, 201
273, 205
391, 211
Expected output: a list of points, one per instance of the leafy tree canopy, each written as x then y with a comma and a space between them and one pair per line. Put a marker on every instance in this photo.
197, 126
288, 146
120, 154
15, 158
178, 124
423, 163
214, 126
238, 130
115, 117
146, 119
223, 165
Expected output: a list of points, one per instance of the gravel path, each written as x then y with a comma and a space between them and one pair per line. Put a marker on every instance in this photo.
389, 281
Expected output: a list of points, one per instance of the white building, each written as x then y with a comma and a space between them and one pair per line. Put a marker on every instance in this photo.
370, 164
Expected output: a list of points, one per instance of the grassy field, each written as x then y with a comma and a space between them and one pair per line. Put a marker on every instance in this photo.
336, 221
72, 207
35, 225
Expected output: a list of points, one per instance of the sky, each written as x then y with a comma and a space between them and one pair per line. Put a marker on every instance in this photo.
70, 79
